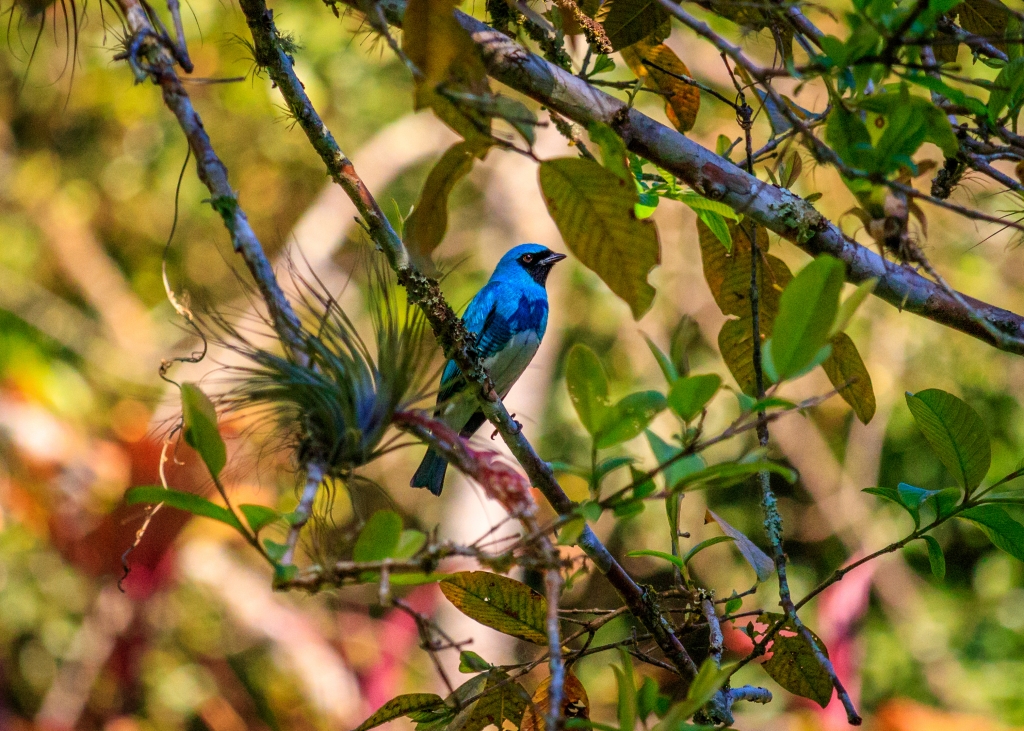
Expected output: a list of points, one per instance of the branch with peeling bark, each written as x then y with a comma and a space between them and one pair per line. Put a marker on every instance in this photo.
719, 179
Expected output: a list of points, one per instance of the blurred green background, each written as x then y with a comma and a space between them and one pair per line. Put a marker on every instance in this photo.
89, 167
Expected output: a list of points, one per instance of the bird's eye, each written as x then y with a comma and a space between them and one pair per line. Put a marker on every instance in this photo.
527, 258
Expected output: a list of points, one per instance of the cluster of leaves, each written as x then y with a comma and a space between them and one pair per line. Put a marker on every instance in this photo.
958, 436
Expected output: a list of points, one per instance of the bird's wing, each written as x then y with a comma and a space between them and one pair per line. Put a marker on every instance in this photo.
492, 331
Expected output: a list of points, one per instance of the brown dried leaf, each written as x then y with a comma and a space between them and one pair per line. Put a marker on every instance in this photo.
683, 100
575, 703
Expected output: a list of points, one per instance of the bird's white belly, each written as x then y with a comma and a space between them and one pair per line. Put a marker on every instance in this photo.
504, 368
508, 364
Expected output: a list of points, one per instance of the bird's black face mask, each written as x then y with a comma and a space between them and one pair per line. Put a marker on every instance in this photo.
539, 264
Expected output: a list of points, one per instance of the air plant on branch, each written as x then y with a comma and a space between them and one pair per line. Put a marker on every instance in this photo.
337, 408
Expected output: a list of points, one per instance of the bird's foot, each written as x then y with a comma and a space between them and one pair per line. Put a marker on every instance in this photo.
519, 428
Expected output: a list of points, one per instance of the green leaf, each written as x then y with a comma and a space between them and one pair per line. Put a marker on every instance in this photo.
200, 427
470, 662
678, 470
627, 700
613, 149
793, 664
570, 532
759, 561
274, 549
710, 679
187, 501
590, 510
593, 209
403, 705
258, 516
807, 310
499, 603
936, 559
629, 417
688, 396
850, 305
913, 498
676, 560
379, 537
886, 493
588, 387
734, 603
706, 543
409, 544
607, 466
1005, 532
1007, 89
426, 227
628, 21
668, 368
685, 334
729, 473
847, 135
955, 432
648, 698
847, 372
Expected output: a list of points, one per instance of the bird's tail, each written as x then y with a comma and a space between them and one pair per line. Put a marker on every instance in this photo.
430, 473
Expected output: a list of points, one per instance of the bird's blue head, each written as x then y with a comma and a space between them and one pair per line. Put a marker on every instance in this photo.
533, 259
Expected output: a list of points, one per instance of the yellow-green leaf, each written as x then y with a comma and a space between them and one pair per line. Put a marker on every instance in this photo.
593, 209
433, 40
258, 516
728, 272
500, 701
400, 706
379, 537
499, 603
847, 372
426, 227
200, 428
688, 396
793, 664
628, 21
735, 342
985, 18
588, 387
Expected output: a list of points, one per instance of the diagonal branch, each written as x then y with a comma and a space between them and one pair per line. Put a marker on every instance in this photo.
458, 344
718, 179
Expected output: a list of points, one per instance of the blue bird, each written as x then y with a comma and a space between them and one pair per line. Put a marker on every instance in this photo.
509, 316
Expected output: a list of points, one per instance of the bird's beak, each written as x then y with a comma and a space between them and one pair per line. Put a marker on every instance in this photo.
552, 258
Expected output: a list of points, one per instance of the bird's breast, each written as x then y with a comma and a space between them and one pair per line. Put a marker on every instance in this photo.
508, 364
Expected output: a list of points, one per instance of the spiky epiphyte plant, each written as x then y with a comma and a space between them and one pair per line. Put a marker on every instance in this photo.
336, 410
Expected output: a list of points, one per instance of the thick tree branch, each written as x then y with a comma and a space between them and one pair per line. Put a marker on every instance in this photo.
718, 179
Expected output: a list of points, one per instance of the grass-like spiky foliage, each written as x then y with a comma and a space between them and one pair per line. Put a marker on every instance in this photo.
337, 409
